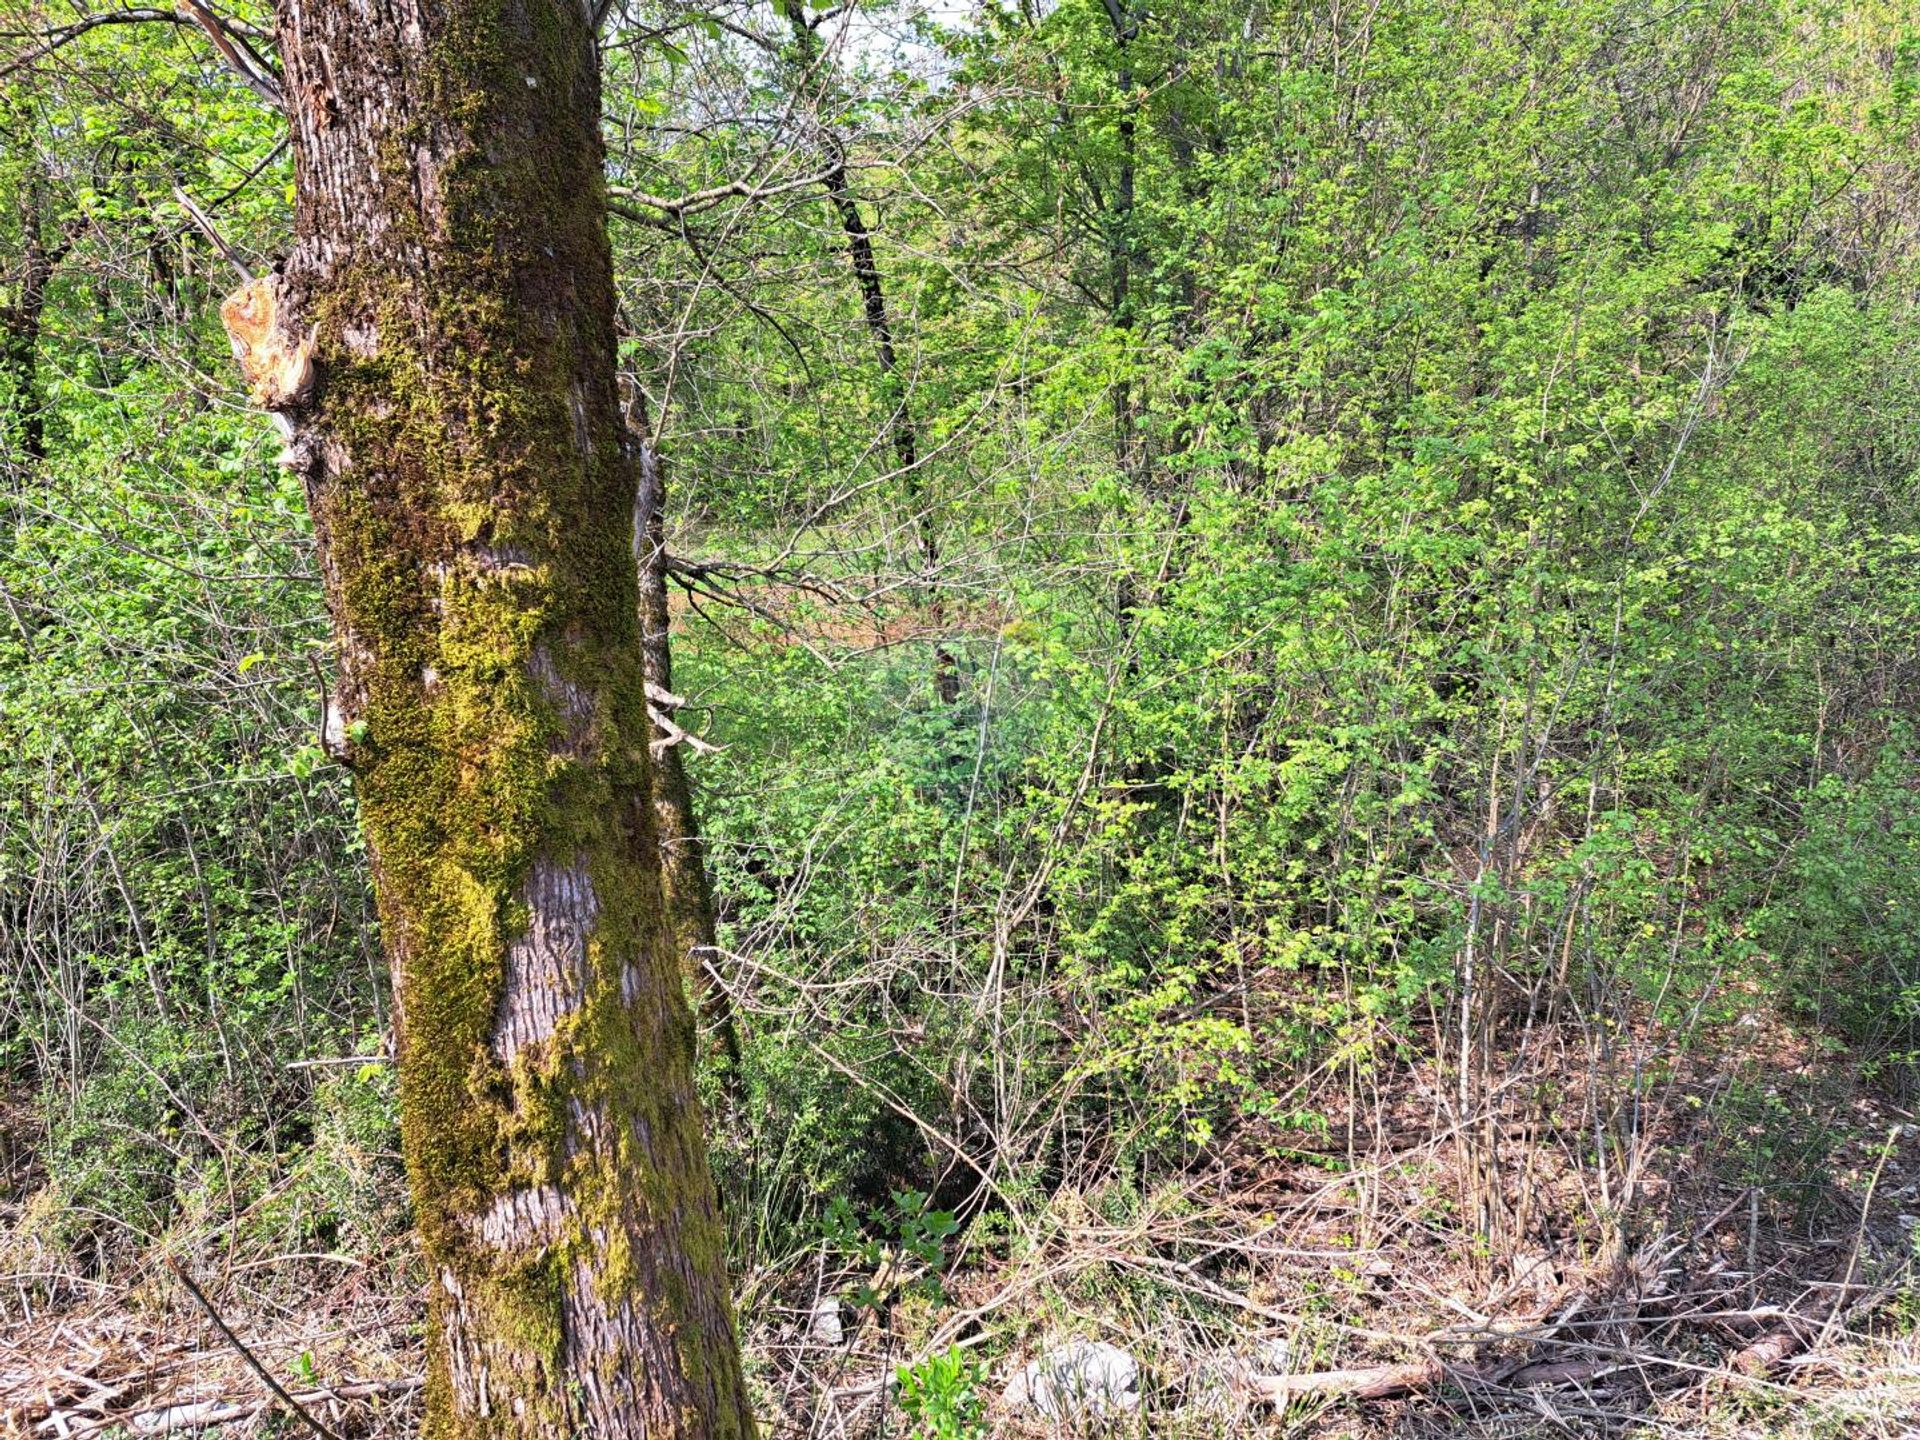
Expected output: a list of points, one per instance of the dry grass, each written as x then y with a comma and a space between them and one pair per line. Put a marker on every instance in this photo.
1737, 1262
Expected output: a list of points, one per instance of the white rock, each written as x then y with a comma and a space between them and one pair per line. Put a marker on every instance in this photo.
1079, 1378
825, 1327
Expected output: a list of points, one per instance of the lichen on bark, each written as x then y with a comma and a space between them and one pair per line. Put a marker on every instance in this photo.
463, 453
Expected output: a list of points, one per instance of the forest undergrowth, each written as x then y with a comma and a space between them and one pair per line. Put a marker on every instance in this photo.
1740, 1263
1293, 635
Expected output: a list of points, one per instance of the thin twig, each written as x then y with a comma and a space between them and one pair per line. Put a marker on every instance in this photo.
245, 1354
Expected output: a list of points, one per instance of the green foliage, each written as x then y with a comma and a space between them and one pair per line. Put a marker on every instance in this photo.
910, 1261
1846, 914
941, 1396
351, 1174
1518, 547
1429, 481
182, 912
120, 1145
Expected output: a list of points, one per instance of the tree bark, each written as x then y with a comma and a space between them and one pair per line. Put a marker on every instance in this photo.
685, 886
440, 348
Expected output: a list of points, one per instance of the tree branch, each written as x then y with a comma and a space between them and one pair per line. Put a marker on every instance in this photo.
240, 56
66, 34
694, 203
180, 1271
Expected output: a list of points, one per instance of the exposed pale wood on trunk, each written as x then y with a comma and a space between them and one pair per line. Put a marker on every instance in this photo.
465, 459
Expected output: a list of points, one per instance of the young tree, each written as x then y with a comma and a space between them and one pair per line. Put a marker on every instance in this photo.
685, 888
440, 346
23, 284
817, 72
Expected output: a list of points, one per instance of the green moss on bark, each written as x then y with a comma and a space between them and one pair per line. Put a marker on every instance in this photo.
472, 492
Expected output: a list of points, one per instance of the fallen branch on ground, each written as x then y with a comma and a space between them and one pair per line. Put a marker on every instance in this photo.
1375, 1383
161, 1419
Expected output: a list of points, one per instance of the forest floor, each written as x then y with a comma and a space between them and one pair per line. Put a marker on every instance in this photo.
1742, 1268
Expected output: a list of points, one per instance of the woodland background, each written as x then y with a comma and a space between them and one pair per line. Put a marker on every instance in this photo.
1301, 622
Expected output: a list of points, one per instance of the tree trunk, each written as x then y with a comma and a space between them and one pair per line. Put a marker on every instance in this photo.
902, 430
684, 884
440, 347
905, 433
22, 315
1122, 241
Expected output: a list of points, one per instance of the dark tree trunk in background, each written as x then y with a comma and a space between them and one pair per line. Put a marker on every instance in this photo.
1122, 240
22, 312
905, 433
901, 427
459, 434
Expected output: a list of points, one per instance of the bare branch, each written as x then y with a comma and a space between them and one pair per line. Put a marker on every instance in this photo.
65, 35
206, 227
671, 734
253, 1361
700, 200
239, 55
227, 38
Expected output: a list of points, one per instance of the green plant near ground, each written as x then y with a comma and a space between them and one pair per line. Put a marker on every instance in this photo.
1849, 919
941, 1396
902, 1249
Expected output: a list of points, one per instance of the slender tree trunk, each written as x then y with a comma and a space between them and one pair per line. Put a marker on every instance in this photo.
902, 430
684, 883
22, 316
1129, 453
440, 346
23, 426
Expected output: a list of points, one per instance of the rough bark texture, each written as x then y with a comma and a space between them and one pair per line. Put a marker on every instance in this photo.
459, 434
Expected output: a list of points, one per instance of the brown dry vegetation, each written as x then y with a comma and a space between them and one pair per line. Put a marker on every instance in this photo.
1735, 1261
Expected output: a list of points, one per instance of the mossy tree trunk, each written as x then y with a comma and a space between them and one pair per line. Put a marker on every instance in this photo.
460, 438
